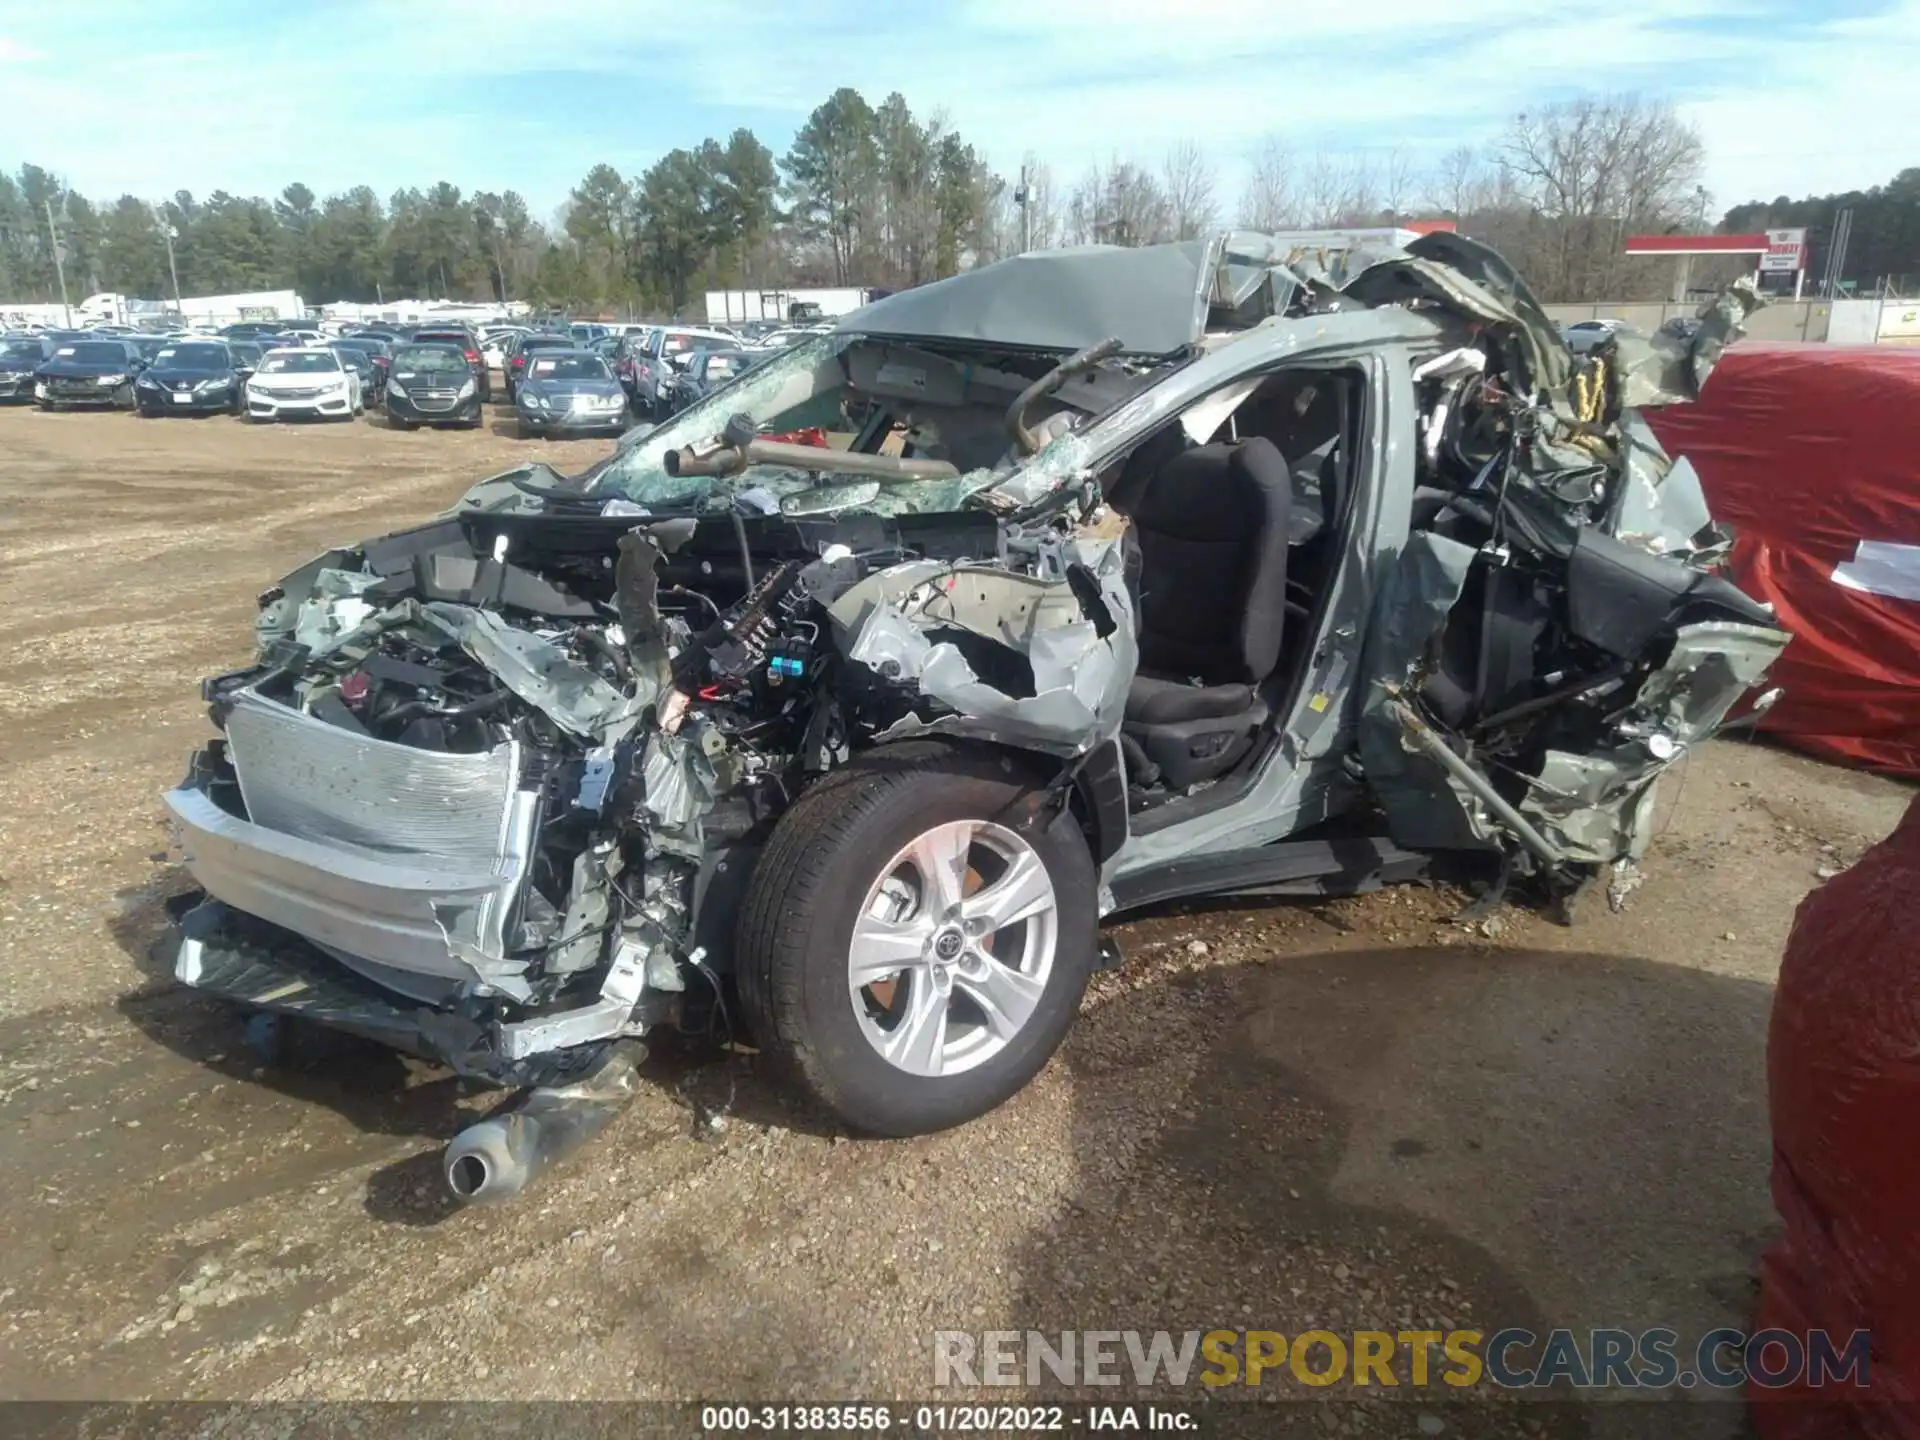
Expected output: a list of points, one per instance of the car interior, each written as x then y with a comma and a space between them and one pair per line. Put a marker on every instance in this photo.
1237, 533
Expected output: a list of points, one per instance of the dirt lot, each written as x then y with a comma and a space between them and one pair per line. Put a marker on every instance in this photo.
1345, 1115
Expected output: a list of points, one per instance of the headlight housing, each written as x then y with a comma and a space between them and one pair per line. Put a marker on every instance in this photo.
533, 401
468, 388
394, 387
218, 382
119, 379
148, 381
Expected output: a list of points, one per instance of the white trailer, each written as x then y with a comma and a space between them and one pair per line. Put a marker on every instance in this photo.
784, 305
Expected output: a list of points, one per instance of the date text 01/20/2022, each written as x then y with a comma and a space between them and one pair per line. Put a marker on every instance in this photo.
944, 1419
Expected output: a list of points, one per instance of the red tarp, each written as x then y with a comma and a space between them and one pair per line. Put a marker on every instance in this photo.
1806, 451
1843, 1094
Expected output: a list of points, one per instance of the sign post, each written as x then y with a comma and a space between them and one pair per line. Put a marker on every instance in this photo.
1786, 253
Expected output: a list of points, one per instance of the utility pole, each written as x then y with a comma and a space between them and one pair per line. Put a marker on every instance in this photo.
1020, 198
172, 235
59, 263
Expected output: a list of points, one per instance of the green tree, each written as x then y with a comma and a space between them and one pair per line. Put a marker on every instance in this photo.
831, 171
745, 200
677, 207
345, 249
133, 252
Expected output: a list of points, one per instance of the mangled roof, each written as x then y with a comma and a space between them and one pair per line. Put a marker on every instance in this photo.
1158, 299
1151, 297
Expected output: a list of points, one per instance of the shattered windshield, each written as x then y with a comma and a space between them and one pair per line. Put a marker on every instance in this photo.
806, 396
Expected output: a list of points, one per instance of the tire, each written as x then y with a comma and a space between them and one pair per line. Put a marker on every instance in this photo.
826, 863
46, 405
521, 432
407, 425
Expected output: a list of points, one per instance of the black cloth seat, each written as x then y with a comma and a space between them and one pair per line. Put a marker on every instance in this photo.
1211, 524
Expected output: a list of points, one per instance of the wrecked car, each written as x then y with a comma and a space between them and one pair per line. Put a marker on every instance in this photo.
835, 714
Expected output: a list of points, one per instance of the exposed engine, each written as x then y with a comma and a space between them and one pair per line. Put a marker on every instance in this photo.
556, 635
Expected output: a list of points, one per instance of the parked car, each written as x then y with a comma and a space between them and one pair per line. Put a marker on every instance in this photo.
191, 377
252, 329
850, 735
246, 355
524, 348
657, 357
90, 373
569, 392
704, 370
585, 332
496, 343
431, 384
360, 359
635, 368
379, 351
20, 356
1583, 336
309, 382
469, 347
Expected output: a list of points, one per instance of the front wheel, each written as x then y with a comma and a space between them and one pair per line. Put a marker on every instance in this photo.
917, 939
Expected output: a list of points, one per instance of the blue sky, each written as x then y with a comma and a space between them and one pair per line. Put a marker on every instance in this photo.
247, 95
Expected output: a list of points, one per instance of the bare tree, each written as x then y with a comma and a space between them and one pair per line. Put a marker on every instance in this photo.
1595, 170
1119, 205
1189, 182
1398, 183
1340, 190
1269, 202
1459, 183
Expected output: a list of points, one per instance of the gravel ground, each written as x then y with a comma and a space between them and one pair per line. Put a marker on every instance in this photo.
1356, 1114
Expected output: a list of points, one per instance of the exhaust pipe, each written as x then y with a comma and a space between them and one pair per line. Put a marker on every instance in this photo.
491, 1162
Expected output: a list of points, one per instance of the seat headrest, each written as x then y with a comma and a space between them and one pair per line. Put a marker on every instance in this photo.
1215, 492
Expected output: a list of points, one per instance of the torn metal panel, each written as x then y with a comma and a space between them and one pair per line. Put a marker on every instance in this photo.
329, 614
1658, 503
680, 783
1594, 808
1426, 807
1709, 668
1598, 806
1071, 690
583, 928
1668, 369
540, 673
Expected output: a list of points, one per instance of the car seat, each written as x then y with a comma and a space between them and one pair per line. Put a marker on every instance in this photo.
1211, 526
